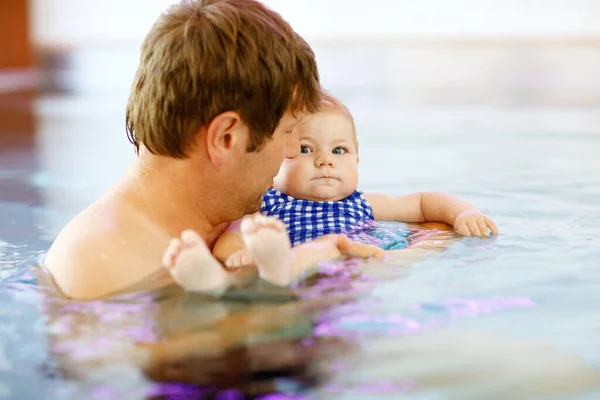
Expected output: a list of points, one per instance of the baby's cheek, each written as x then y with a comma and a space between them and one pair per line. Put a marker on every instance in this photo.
354, 178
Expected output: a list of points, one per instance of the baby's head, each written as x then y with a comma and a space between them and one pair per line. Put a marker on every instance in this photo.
327, 167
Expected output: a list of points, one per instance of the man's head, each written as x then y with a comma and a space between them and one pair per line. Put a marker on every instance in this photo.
203, 58
327, 167
222, 83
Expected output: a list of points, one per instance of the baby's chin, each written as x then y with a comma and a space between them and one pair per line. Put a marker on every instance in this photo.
324, 193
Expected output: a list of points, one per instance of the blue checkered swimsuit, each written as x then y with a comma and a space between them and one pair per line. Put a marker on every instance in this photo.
307, 220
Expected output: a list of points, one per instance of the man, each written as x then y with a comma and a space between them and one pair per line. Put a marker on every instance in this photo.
219, 89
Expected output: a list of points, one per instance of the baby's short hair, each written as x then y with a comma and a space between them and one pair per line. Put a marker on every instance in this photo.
330, 103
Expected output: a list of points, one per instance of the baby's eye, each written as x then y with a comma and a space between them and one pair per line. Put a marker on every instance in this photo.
304, 149
339, 150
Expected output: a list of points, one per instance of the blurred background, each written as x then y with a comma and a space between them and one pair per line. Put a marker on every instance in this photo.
497, 101
431, 66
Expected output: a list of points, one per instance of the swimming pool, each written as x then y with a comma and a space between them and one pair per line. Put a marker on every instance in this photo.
506, 318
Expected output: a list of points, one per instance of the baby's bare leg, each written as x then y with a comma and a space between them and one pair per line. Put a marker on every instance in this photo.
268, 244
191, 264
330, 247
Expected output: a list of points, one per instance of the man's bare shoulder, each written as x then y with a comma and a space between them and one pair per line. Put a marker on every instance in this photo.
103, 250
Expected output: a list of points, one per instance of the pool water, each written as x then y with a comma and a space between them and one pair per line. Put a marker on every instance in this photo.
512, 317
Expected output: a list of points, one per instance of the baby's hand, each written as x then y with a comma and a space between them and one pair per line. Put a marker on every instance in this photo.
474, 223
239, 259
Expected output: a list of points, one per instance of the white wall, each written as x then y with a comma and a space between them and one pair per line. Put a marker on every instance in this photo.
76, 22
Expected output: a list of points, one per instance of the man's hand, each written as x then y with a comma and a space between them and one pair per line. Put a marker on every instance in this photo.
474, 223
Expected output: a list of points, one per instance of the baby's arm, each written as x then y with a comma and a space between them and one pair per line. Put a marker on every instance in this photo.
466, 219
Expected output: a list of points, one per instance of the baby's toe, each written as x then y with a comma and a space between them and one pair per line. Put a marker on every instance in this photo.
248, 225
270, 222
190, 238
172, 251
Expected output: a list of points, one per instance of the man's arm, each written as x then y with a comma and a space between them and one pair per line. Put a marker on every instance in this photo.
466, 219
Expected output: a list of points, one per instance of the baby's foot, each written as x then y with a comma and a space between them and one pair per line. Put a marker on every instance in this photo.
192, 265
267, 240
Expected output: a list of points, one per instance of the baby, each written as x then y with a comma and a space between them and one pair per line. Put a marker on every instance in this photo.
316, 194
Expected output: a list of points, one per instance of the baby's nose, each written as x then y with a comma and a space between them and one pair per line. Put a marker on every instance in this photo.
324, 159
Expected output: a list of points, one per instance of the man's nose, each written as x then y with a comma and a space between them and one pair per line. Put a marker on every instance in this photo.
292, 145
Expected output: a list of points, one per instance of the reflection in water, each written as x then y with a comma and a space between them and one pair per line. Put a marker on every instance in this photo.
188, 338
375, 387
349, 323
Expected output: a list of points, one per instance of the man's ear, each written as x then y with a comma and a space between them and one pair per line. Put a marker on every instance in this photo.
223, 136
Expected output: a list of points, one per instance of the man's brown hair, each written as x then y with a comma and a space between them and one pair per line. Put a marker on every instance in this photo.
202, 58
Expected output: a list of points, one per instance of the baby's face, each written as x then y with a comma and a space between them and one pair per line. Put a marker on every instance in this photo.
327, 167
